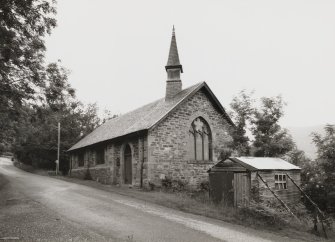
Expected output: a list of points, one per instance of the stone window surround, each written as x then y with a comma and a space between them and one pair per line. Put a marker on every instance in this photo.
205, 136
207, 119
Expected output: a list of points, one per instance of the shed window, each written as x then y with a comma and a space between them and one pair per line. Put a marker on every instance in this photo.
280, 181
200, 140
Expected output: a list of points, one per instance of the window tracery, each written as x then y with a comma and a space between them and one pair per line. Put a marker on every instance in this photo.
200, 140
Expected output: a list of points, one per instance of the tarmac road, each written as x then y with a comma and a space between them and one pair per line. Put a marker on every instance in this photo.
34, 207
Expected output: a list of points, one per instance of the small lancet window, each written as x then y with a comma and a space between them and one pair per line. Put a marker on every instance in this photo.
200, 140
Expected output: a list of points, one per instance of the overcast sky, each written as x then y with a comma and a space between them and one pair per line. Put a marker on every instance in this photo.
117, 50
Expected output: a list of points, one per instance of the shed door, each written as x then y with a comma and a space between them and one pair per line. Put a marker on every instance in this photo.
221, 187
241, 189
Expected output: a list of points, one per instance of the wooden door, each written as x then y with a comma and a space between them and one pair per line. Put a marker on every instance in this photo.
241, 189
127, 165
221, 187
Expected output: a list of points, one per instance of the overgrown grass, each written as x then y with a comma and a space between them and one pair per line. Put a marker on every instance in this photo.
268, 217
272, 218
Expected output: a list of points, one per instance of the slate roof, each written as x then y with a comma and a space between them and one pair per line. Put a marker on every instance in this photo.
142, 118
264, 163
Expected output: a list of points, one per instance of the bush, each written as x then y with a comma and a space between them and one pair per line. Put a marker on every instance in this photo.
178, 185
152, 186
204, 186
262, 214
173, 185
254, 194
167, 183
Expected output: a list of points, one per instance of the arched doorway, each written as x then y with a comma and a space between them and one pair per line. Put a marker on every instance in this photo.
127, 165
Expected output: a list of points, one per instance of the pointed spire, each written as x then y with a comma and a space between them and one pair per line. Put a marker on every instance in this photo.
173, 60
173, 69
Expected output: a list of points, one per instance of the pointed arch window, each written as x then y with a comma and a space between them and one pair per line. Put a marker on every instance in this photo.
200, 139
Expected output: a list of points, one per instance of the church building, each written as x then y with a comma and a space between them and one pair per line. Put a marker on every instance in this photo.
177, 137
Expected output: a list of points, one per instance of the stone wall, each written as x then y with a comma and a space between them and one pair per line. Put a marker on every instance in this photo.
112, 171
99, 174
168, 142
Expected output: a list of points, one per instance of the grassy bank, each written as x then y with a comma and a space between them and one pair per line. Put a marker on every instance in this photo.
272, 219
268, 218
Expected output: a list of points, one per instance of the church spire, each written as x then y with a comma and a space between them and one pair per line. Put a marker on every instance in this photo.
173, 69
173, 60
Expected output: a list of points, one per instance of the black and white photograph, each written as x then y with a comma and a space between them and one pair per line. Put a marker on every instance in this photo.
167, 121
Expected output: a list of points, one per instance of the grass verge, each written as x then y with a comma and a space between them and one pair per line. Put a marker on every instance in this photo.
274, 220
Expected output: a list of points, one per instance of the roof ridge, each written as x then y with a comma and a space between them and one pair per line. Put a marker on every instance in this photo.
170, 108
156, 101
141, 118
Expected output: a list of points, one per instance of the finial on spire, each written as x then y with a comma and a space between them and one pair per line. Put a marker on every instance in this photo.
173, 31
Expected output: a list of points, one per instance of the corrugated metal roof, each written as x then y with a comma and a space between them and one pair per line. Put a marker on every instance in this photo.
265, 163
142, 118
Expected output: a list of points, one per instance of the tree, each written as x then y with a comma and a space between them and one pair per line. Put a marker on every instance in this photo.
297, 157
326, 149
326, 160
35, 97
242, 106
58, 93
23, 24
270, 139
108, 115
312, 183
36, 142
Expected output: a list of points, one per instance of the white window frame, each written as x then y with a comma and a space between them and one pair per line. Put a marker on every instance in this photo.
280, 181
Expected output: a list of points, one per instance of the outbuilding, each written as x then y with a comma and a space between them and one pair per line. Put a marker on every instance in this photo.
236, 181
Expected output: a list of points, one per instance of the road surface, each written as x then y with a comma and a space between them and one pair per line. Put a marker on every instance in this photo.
34, 207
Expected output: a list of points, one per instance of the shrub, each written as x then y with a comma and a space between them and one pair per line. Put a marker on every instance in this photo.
173, 185
254, 193
152, 186
204, 186
178, 185
167, 183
